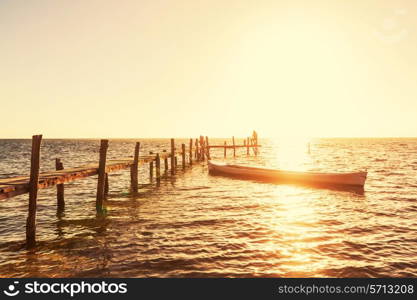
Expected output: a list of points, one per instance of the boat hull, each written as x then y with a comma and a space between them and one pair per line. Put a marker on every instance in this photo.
356, 179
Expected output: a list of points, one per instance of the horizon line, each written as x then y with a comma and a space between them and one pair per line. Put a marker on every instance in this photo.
237, 137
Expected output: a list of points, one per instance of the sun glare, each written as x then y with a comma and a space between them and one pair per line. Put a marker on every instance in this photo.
292, 153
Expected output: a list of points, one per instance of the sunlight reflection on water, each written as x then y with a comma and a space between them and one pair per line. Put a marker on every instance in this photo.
201, 225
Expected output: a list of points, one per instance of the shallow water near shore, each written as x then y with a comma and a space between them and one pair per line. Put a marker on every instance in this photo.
197, 225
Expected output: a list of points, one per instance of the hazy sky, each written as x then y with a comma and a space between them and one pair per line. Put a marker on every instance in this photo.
131, 68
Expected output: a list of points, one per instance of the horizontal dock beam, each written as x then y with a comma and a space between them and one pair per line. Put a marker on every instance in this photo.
11, 187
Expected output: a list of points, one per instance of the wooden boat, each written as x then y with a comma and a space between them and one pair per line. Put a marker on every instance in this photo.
356, 179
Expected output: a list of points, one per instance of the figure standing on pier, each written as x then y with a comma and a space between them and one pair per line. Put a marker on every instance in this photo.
255, 137
255, 142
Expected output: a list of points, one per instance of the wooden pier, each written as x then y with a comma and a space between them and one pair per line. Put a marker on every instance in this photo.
14, 186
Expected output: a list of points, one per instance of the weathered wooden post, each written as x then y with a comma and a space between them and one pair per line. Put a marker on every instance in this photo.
60, 201
134, 169
151, 168
183, 155
33, 191
247, 146
202, 148
234, 147
106, 186
197, 153
165, 162
198, 148
172, 157
104, 144
207, 148
158, 168
225, 147
191, 152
